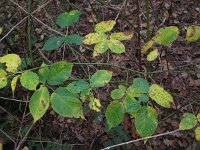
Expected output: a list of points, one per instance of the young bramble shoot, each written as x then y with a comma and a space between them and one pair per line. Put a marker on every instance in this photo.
103, 42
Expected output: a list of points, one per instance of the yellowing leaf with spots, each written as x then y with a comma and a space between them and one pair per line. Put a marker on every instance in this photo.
105, 26
1, 30
100, 48
198, 117
197, 133
188, 121
14, 83
116, 46
92, 38
12, 62
160, 96
152, 55
193, 33
147, 46
39, 103
121, 36
95, 105
3, 78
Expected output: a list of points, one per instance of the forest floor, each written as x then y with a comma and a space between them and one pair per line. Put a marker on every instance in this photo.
177, 70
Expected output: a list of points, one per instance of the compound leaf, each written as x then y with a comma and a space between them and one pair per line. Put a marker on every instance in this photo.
153, 55
114, 114
197, 133
68, 18
105, 26
167, 35
146, 121
29, 80
74, 39
66, 104
193, 33
116, 46
160, 96
39, 103
121, 36
53, 43
12, 61
59, 72
100, 78
14, 83
188, 121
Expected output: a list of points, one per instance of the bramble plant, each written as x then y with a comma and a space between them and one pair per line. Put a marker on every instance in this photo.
67, 100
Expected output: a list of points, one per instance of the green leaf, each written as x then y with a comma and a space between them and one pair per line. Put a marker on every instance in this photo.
160, 96
100, 78
39, 103
141, 84
131, 104
198, 117
43, 73
29, 80
59, 72
3, 78
92, 38
100, 48
105, 26
116, 46
197, 133
77, 87
114, 114
146, 121
147, 46
53, 43
134, 92
193, 33
143, 98
167, 35
68, 18
153, 55
14, 83
12, 61
121, 36
66, 104
188, 121
118, 93
74, 39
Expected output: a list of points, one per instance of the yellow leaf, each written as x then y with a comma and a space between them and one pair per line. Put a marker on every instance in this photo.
121, 36
12, 61
197, 133
2, 73
14, 83
100, 48
152, 55
193, 33
198, 117
3, 78
160, 96
105, 26
1, 30
147, 46
92, 38
95, 105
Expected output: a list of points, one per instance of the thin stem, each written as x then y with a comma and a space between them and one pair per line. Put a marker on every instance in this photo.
148, 19
29, 32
